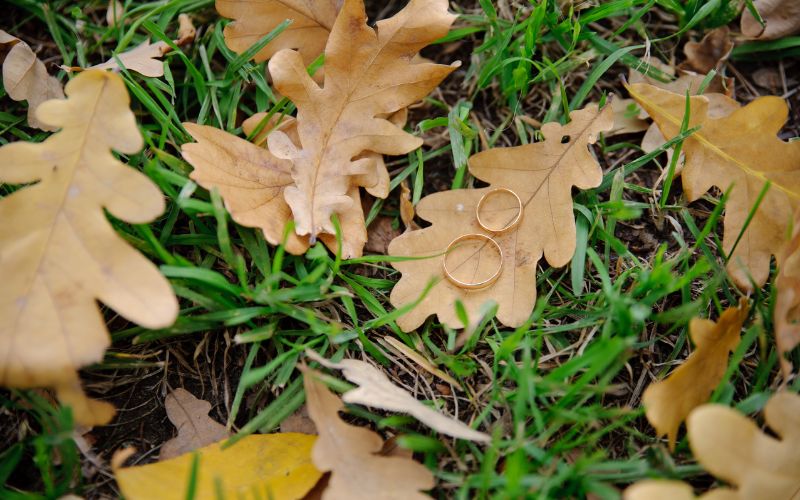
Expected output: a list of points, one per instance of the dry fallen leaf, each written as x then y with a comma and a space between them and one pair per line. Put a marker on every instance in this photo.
740, 152
668, 402
786, 316
687, 81
142, 59
258, 466
186, 30
781, 18
375, 390
733, 448
542, 175
195, 428
353, 454
312, 21
407, 211
25, 78
58, 252
627, 119
114, 12
369, 74
709, 53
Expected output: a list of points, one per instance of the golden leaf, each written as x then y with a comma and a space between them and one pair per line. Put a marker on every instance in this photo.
733, 448
669, 401
781, 18
59, 253
25, 78
369, 74
377, 391
353, 454
258, 466
786, 316
740, 152
542, 175
312, 21
195, 428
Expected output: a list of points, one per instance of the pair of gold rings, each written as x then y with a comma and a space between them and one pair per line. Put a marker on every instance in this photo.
487, 240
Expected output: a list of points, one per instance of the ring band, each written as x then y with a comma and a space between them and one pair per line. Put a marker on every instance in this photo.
465, 284
508, 227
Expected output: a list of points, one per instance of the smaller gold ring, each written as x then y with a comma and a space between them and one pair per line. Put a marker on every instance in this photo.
511, 225
465, 284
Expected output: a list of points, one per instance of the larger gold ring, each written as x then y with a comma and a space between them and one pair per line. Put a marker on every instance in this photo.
508, 227
472, 285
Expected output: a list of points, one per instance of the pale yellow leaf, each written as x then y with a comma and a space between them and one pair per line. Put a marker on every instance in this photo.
781, 18
669, 402
142, 59
354, 457
114, 12
655, 489
542, 175
59, 254
195, 428
740, 152
377, 391
25, 78
276, 466
369, 74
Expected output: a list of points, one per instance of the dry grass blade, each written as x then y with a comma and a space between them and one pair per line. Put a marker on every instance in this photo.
58, 252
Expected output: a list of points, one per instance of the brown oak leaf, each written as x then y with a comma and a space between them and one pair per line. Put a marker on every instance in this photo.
709, 53
781, 18
59, 254
195, 428
542, 175
668, 402
369, 74
740, 152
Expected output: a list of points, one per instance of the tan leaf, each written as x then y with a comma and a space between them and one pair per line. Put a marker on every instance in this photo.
687, 81
709, 53
781, 18
542, 175
740, 152
375, 390
58, 252
195, 428
786, 316
25, 78
669, 401
299, 421
379, 234
142, 59
369, 74
114, 12
407, 211
186, 30
626, 118
312, 21
734, 449
259, 466
353, 454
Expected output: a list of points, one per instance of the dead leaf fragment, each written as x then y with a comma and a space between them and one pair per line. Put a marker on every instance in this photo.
781, 18
142, 59
375, 390
709, 53
786, 316
114, 12
353, 454
659, 489
25, 78
369, 74
58, 252
627, 118
195, 428
312, 21
186, 30
669, 401
740, 152
542, 175
258, 466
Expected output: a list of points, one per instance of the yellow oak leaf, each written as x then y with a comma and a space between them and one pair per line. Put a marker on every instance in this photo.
668, 402
59, 253
369, 74
740, 152
734, 449
257, 466
353, 454
542, 176
786, 318
25, 78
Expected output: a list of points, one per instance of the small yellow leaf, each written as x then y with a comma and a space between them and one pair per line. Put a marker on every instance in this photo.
668, 402
275, 466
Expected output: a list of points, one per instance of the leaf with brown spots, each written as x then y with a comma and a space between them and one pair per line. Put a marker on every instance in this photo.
542, 175
59, 254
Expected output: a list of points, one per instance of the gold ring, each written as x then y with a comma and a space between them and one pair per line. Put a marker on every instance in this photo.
465, 284
511, 225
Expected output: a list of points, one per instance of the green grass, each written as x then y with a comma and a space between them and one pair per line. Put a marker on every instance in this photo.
562, 400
